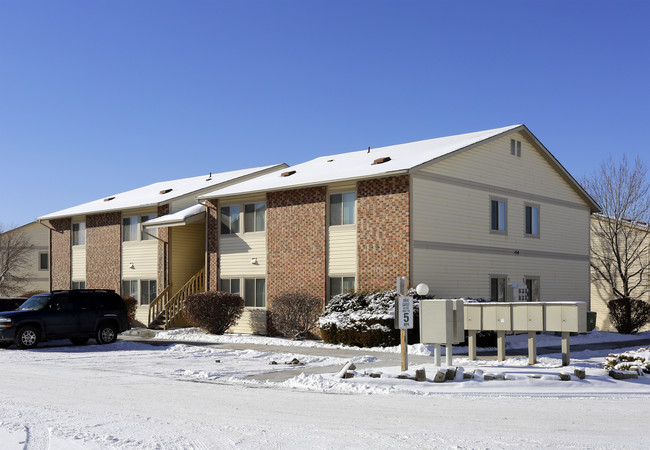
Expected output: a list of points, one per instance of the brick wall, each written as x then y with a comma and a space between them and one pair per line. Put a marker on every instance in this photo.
383, 232
296, 242
163, 251
104, 251
212, 269
61, 254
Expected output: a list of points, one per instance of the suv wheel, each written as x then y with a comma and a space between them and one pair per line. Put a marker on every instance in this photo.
78, 340
106, 334
27, 337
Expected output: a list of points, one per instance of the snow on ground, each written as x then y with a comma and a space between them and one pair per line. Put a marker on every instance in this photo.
182, 395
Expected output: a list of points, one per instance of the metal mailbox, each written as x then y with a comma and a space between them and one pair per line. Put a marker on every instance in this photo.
473, 316
497, 317
528, 316
566, 317
441, 321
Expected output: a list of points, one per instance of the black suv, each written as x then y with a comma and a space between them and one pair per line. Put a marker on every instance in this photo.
76, 314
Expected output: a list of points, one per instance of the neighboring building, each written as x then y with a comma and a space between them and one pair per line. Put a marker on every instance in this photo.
101, 244
470, 215
37, 272
637, 237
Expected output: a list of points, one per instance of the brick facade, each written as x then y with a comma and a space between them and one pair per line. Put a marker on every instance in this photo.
163, 251
61, 254
296, 242
104, 251
212, 250
383, 232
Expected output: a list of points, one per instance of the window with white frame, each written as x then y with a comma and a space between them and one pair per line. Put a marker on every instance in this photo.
498, 291
498, 215
131, 228
230, 219
144, 291
342, 208
532, 220
150, 234
254, 217
78, 285
340, 285
43, 261
79, 233
515, 147
254, 292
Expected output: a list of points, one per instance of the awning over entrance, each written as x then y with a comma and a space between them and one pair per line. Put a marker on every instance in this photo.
180, 218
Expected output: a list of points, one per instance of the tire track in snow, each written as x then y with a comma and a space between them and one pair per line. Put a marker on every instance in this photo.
37, 437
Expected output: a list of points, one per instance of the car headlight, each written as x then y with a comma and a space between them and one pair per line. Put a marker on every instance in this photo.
5, 322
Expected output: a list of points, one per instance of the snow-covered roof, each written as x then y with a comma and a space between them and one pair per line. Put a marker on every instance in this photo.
182, 217
362, 164
156, 194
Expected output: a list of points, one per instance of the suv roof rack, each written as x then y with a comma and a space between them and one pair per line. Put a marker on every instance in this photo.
83, 290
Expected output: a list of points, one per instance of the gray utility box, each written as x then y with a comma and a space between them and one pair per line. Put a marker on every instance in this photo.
473, 316
566, 317
441, 322
497, 317
528, 316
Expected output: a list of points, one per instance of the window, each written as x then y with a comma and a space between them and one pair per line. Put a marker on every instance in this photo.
255, 292
254, 217
230, 219
498, 288
152, 233
339, 285
79, 233
43, 261
148, 291
78, 285
515, 147
532, 283
342, 208
498, 216
232, 286
129, 229
130, 288
532, 220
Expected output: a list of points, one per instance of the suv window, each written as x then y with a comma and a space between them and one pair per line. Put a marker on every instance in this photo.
61, 303
88, 302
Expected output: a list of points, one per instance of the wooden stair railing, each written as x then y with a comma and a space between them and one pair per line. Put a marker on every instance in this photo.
172, 306
157, 306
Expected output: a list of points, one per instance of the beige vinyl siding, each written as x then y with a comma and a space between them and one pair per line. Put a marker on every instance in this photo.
78, 263
465, 274
342, 250
236, 252
454, 250
144, 256
39, 236
187, 253
253, 320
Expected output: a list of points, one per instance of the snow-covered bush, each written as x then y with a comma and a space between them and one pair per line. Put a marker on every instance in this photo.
627, 360
365, 319
294, 315
213, 311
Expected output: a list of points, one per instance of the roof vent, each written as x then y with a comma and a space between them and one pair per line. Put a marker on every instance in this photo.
330, 160
108, 199
166, 191
381, 160
287, 174
209, 177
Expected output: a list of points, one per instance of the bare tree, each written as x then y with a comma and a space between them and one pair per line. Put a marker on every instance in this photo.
15, 249
621, 234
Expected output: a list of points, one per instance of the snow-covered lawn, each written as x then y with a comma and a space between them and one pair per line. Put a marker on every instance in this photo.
182, 395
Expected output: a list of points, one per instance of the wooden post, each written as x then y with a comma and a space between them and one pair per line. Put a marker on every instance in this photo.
532, 347
405, 356
471, 343
566, 352
501, 345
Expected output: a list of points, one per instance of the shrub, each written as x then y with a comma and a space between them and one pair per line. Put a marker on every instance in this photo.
628, 315
295, 314
365, 320
628, 360
213, 311
131, 307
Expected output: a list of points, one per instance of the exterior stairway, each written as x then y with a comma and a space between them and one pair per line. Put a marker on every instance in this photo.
165, 311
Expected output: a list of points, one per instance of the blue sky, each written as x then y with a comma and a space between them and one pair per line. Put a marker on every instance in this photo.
104, 96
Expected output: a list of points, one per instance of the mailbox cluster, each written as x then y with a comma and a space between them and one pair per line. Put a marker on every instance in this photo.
442, 322
531, 317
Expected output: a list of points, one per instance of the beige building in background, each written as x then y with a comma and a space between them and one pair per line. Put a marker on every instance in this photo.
37, 271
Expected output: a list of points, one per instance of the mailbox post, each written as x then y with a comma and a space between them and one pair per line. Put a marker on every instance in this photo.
403, 318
